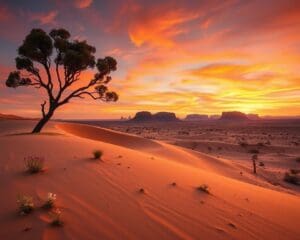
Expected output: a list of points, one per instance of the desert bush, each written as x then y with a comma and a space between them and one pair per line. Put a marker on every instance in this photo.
34, 164
261, 164
50, 201
56, 218
243, 144
291, 178
26, 204
97, 154
204, 188
295, 171
254, 151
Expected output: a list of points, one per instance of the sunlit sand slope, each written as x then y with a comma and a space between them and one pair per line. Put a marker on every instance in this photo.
102, 199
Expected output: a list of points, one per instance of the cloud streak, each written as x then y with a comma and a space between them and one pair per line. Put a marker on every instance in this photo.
183, 56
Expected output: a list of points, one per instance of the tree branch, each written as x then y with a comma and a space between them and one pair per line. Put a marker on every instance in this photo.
89, 94
43, 108
58, 76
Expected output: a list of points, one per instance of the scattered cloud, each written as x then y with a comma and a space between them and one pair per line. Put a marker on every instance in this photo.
158, 26
83, 3
183, 56
45, 18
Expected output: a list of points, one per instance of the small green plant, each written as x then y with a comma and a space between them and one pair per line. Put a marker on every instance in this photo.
34, 164
56, 218
50, 201
204, 188
97, 154
291, 178
26, 204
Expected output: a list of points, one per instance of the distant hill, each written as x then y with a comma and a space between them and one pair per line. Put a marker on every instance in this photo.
196, 117
234, 116
160, 116
252, 116
10, 116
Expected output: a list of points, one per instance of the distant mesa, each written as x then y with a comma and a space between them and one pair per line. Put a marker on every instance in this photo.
253, 116
164, 116
234, 116
196, 117
160, 116
214, 117
142, 116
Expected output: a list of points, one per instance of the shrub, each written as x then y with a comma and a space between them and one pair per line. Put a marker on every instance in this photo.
34, 164
261, 164
291, 178
50, 201
56, 218
204, 188
243, 144
97, 154
26, 204
295, 171
254, 151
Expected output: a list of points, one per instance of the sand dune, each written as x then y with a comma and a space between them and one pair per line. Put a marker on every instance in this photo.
102, 199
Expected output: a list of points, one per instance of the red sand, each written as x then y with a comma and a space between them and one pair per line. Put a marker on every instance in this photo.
101, 199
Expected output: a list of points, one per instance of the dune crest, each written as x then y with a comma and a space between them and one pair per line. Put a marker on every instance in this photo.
103, 199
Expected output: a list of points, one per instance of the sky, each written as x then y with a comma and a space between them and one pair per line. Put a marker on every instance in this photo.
181, 56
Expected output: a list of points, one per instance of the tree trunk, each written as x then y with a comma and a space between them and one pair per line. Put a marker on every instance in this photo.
38, 127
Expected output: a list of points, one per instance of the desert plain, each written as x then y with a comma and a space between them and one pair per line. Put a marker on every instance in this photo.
149, 182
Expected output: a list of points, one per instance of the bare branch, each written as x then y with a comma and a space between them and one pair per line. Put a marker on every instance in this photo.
43, 108
58, 76
89, 94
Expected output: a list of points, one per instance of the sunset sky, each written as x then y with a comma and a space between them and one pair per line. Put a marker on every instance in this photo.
180, 56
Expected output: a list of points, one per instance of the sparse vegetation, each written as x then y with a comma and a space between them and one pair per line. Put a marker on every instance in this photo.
291, 178
56, 218
261, 164
26, 204
34, 164
243, 144
254, 158
50, 201
295, 171
97, 154
254, 151
204, 188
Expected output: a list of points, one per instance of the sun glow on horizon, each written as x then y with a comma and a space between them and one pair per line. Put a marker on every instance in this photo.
184, 57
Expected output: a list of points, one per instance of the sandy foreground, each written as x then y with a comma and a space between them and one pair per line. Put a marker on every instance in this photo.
102, 199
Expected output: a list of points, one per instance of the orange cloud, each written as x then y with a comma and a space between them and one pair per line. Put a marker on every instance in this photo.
45, 18
157, 27
83, 3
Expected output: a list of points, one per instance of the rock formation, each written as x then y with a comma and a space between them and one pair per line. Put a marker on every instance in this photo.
196, 117
160, 116
234, 116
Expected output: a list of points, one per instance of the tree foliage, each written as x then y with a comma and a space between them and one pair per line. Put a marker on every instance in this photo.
68, 58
